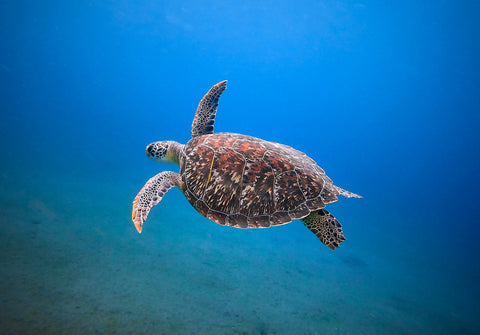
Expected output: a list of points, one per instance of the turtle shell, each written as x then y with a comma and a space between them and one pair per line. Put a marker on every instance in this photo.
246, 182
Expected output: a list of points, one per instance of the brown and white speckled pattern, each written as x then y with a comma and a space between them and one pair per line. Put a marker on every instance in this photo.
246, 182
206, 110
151, 194
326, 227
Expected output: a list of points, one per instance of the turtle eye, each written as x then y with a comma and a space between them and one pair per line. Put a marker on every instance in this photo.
150, 150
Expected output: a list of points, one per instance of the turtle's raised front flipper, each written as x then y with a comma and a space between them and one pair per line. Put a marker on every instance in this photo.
326, 227
206, 110
151, 194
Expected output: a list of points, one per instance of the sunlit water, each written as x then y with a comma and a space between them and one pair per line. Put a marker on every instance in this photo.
383, 96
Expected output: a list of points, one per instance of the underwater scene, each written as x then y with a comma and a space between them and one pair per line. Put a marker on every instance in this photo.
383, 96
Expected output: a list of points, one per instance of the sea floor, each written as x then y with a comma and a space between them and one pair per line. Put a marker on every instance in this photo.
73, 263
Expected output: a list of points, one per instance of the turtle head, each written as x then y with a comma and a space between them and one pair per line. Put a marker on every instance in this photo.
164, 151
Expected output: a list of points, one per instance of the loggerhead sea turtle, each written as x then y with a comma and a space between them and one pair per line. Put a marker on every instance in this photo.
242, 181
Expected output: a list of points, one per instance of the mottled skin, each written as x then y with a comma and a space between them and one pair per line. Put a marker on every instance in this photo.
242, 181
206, 110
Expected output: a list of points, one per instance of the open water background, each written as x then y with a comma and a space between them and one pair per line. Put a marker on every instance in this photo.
384, 96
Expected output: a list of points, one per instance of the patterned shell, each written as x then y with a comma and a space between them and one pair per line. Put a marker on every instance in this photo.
246, 182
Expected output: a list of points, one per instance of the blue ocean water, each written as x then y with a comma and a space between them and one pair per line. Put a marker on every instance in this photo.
384, 96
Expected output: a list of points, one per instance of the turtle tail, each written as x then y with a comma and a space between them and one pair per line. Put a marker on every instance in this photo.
346, 193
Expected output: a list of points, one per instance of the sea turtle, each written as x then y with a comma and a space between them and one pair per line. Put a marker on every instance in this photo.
242, 181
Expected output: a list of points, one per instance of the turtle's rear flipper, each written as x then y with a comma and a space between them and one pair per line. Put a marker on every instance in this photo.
326, 227
151, 194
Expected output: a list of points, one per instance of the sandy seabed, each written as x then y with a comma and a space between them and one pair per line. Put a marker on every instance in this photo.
72, 263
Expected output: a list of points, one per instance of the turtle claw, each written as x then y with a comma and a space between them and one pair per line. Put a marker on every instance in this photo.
139, 227
136, 218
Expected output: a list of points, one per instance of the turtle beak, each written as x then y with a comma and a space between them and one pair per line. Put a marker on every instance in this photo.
149, 151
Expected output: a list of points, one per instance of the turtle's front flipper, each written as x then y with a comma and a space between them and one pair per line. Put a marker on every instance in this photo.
206, 110
151, 194
326, 227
